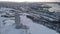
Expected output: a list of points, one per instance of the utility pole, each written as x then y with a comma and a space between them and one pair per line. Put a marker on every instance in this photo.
18, 24
17, 20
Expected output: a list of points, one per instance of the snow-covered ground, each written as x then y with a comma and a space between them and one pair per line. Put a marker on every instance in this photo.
34, 28
55, 7
8, 26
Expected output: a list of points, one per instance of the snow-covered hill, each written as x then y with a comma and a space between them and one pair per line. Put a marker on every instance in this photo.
38, 22
34, 28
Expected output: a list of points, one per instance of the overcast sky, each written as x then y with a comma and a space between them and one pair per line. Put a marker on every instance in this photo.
32, 0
